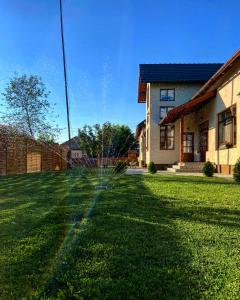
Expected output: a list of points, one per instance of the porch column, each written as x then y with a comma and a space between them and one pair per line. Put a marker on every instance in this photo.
181, 138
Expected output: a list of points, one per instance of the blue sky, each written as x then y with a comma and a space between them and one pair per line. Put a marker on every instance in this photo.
105, 42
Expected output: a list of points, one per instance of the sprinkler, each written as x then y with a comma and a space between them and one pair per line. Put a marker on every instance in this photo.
102, 187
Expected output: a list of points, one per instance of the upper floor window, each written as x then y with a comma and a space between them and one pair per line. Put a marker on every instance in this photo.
167, 137
167, 94
164, 110
227, 129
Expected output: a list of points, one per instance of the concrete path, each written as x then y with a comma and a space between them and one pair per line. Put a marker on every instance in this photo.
141, 171
136, 171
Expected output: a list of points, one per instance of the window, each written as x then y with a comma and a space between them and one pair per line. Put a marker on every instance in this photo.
164, 110
167, 137
188, 143
227, 129
167, 94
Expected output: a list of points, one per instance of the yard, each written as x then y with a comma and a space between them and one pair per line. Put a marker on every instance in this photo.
149, 237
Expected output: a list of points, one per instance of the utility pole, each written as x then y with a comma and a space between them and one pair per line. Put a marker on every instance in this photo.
66, 84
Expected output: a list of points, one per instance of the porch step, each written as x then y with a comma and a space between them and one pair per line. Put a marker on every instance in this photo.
171, 170
191, 167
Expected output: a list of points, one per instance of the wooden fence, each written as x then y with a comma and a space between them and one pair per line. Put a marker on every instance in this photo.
98, 162
20, 154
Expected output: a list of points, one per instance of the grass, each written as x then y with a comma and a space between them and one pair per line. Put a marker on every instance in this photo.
149, 237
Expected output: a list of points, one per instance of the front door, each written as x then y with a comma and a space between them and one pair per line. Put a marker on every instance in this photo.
188, 146
203, 140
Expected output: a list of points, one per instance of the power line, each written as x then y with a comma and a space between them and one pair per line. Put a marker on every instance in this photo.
65, 75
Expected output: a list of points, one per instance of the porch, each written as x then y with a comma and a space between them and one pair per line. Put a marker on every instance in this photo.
194, 139
187, 167
193, 126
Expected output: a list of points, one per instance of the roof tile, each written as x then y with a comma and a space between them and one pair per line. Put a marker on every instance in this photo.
177, 72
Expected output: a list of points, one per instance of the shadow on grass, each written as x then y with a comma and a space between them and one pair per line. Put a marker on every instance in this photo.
48, 207
209, 216
131, 249
196, 179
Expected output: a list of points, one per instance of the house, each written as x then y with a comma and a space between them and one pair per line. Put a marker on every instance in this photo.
75, 147
163, 87
141, 137
208, 126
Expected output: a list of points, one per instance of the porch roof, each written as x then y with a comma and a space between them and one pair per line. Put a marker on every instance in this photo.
188, 107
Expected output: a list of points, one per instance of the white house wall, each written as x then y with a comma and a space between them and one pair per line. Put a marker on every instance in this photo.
183, 92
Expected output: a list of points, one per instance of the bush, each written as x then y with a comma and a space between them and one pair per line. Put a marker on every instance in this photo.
120, 166
236, 171
208, 169
152, 168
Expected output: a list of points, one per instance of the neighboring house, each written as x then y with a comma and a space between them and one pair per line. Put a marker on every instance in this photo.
208, 126
75, 147
141, 137
163, 87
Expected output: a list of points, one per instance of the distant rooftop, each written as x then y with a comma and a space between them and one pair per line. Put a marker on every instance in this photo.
141, 124
177, 72
74, 143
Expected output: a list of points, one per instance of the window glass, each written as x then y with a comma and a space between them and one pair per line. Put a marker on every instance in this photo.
170, 130
235, 133
162, 144
170, 143
188, 143
163, 95
167, 95
227, 131
164, 110
162, 133
170, 95
167, 137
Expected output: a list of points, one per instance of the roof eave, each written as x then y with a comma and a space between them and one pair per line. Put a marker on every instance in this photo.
187, 108
219, 73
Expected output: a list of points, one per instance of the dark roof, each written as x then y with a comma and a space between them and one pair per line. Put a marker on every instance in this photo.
139, 127
74, 143
177, 72
204, 95
141, 124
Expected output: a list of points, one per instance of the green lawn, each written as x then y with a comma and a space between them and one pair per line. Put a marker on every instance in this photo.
149, 237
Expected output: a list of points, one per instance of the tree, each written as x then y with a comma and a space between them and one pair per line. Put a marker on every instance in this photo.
88, 141
123, 140
108, 140
46, 138
236, 171
27, 106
